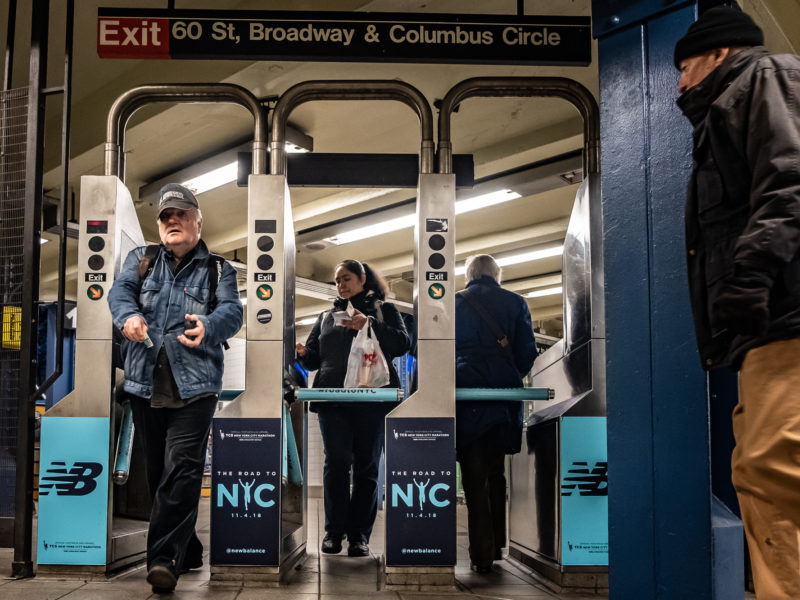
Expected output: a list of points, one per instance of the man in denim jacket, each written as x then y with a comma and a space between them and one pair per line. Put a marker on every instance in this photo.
174, 325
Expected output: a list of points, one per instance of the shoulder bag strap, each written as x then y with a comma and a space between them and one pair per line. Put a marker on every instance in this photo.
483, 312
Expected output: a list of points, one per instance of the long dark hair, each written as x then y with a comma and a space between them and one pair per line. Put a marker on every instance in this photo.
374, 281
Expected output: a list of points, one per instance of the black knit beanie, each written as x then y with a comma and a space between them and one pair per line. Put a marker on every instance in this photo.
718, 27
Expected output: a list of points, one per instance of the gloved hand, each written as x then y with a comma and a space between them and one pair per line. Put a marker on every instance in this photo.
742, 305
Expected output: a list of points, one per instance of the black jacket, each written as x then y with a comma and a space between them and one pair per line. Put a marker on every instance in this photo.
482, 363
328, 346
743, 201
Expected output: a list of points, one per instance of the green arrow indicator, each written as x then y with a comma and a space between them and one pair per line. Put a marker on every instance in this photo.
436, 291
264, 292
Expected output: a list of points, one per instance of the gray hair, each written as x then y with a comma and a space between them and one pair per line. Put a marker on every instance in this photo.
480, 265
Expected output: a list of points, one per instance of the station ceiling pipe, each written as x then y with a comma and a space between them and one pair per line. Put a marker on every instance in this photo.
349, 90
132, 100
496, 87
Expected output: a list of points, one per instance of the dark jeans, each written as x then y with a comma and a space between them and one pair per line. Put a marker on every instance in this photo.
175, 441
352, 438
484, 480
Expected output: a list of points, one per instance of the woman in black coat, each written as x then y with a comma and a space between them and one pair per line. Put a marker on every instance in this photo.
487, 431
352, 432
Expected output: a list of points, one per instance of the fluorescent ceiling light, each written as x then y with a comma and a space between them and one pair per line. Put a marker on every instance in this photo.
516, 259
306, 321
213, 179
545, 292
461, 206
485, 200
43, 241
225, 174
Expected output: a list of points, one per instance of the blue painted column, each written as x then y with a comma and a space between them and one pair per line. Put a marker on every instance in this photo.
661, 541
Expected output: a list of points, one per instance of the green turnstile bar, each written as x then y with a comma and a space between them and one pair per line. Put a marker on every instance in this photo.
504, 394
349, 394
124, 445
393, 395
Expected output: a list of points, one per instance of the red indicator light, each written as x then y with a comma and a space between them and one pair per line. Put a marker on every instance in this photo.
96, 226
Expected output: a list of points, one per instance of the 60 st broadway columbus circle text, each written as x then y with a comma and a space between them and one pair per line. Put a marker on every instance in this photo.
486, 39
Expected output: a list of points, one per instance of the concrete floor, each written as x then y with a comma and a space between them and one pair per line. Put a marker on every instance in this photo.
319, 577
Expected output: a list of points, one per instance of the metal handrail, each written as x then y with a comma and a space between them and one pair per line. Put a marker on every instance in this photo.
132, 100
349, 90
496, 87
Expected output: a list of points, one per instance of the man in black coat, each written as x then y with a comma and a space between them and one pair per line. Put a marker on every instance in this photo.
742, 239
487, 315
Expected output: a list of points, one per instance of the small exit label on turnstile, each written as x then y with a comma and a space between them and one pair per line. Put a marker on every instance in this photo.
436, 276
96, 277
264, 277
438, 225
95, 292
436, 291
264, 292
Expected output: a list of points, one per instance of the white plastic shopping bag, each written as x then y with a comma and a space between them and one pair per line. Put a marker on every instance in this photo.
366, 365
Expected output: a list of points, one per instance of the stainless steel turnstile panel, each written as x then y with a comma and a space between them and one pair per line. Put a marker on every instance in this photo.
575, 368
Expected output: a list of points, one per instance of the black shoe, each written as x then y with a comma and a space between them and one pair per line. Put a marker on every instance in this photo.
162, 578
480, 569
191, 562
358, 549
331, 544
498, 554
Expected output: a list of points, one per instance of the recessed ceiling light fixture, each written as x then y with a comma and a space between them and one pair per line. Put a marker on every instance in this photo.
225, 174
515, 259
544, 292
462, 206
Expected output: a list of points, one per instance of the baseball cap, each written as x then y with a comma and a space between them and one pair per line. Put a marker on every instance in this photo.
174, 195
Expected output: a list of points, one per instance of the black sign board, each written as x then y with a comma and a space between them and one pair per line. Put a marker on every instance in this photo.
343, 36
323, 169
420, 492
246, 492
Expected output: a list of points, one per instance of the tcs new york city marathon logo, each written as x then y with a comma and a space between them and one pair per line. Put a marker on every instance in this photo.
78, 480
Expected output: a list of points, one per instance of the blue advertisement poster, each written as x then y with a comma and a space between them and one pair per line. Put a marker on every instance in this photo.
420, 492
73, 491
584, 491
246, 492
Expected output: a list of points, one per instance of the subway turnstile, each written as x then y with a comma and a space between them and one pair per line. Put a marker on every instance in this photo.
559, 491
257, 517
76, 530
78, 534
420, 445
559, 495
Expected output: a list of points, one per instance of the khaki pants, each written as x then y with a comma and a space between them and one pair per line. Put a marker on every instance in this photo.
766, 466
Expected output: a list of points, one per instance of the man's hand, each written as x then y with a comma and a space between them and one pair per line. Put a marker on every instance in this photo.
300, 349
135, 329
742, 306
197, 332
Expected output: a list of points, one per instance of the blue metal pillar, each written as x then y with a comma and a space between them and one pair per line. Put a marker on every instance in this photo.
664, 537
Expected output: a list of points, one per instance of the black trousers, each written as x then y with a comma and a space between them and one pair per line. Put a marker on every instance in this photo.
483, 477
175, 441
353, 441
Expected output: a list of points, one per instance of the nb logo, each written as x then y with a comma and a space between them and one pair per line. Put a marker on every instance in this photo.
588, 482
79, 480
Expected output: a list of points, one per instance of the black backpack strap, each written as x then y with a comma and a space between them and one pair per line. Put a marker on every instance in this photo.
483, 312
147, 260
214, 266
